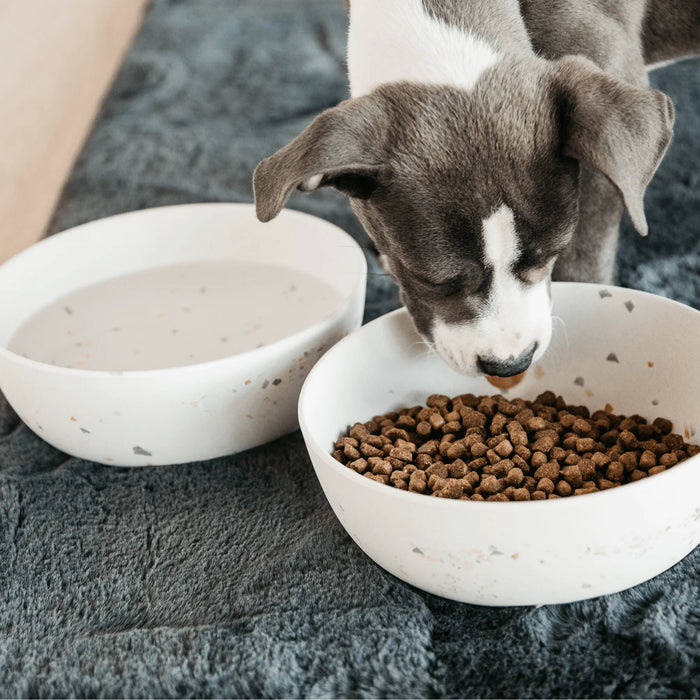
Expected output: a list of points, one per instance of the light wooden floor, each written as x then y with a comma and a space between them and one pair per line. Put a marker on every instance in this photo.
57, 61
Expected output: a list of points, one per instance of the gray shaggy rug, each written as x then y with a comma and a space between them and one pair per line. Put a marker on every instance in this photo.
232, 577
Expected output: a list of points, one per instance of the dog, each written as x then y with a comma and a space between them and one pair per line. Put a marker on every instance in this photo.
488, 147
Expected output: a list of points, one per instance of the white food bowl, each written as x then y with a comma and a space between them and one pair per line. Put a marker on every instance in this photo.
633, 350
173, 334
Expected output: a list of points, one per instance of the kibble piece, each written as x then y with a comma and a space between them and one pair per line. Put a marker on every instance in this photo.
498, 469
380, 466
351, 452
581, 426
430, 448
668, 460
339, 455
629, 460
406, 421
663, 425
543, 444
538, 459
360, 465
489, 485
563, 488
615, 471
399, 480
435, 482
477, 463
538, 496
558, 453
572, 474
647, 460
479, 449
471, 478
456, 450
604, 484
515, 476
359, 432
423, 429
546, 485
504, 449
521, 494
656, 470
423, 460
637, 474
418, 482
492, 456
457, 469
438, 469
673, 441
379, 478
436, 421
588, 470
368, 450
628, 440
609, 438
372, 426
549, 471
451, 489
585, 444
600, 459
437, 401
535, 423
498, 497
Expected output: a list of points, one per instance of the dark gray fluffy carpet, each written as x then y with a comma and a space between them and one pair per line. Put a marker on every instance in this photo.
232, 577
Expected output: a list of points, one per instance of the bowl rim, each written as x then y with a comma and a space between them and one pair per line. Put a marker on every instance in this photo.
676, 472
260, 353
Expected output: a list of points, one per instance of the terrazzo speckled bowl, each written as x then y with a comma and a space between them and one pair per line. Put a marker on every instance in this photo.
633, 350
175, 286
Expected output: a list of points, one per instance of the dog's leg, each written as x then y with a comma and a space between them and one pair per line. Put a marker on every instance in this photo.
590, 257
670, 30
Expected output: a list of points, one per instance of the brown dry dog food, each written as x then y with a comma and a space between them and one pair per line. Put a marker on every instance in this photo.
496, 449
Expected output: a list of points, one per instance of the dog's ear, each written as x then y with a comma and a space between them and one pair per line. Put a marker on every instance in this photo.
619, 129
341, 148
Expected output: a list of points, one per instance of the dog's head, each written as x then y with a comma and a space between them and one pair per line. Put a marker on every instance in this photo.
471, 196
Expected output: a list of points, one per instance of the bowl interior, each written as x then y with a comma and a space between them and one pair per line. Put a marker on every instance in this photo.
174, 286
633, 351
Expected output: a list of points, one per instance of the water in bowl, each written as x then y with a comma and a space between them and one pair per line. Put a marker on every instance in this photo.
175, 315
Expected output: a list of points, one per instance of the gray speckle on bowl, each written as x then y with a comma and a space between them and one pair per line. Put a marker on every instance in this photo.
604, 293
578, 381
276, 382
265, 384
612, 357
68, 310
629, 305
85, 430
417, 551
140, 451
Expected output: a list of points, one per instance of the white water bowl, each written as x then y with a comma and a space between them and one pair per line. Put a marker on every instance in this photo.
173, 334
635, 351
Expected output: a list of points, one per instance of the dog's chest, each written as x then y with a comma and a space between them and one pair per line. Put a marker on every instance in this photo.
397, 40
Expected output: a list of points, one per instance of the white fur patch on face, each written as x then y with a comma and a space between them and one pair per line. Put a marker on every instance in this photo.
396, 40
515, 316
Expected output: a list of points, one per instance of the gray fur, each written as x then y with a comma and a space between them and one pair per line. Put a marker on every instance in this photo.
562, 140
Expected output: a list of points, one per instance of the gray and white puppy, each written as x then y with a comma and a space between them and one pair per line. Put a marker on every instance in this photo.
488, 147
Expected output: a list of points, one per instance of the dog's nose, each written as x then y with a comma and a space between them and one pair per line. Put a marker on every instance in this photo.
507, 368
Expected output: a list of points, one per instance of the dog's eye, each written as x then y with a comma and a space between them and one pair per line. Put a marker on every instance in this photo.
452, 286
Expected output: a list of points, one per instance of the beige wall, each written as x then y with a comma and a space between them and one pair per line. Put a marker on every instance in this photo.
57, 61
